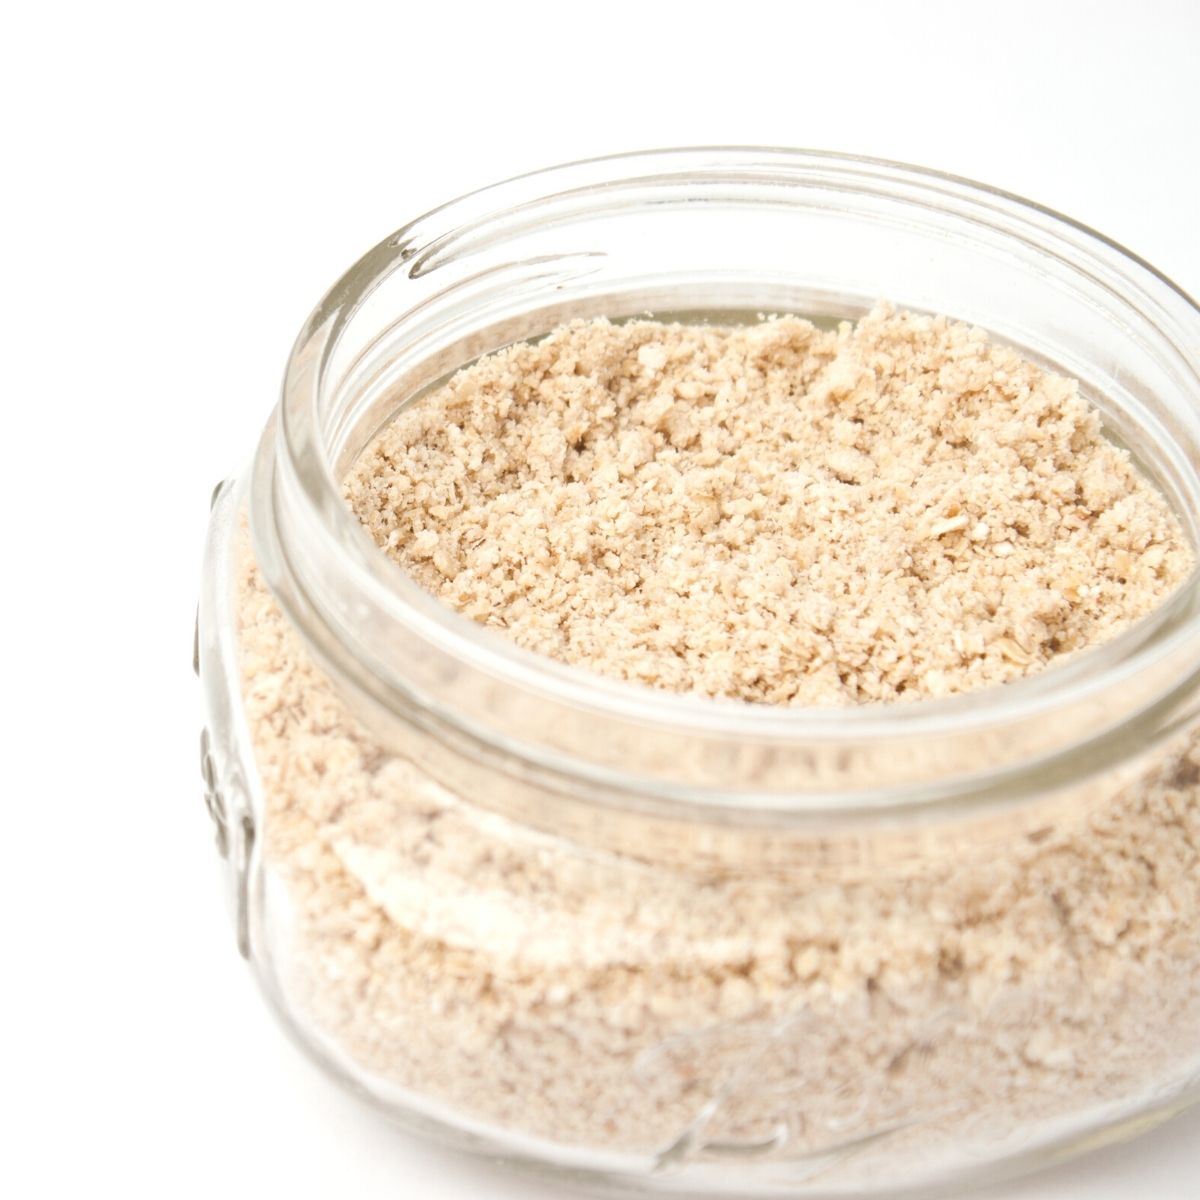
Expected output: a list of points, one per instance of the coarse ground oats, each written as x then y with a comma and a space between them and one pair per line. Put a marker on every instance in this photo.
773, 512
788, 516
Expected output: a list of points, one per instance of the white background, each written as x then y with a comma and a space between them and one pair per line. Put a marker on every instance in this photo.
181, 186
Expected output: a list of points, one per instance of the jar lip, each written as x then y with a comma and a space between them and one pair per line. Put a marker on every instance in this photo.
733, 155
1158, 638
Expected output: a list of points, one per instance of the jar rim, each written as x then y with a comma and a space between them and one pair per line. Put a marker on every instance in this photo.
1164, 642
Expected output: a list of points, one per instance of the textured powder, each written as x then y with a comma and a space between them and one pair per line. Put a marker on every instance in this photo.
785, 515
774, 513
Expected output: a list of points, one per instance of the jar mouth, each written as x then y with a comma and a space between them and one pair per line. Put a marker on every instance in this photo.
1130, 673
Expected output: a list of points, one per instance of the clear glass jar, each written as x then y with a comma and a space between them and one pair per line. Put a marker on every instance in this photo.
672, 943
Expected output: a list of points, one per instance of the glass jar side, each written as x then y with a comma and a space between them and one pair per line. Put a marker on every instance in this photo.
832, 1022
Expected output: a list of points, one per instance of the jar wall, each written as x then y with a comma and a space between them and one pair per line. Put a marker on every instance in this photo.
889, 1017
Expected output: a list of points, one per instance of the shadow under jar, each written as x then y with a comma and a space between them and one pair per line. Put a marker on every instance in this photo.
670, 943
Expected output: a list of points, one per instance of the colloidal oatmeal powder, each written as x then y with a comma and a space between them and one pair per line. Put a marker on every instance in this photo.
783, 515
774, 513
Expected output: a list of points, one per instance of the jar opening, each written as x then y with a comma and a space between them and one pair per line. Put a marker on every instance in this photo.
666, 233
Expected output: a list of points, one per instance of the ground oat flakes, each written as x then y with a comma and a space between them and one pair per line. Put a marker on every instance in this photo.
895, 509
774, 513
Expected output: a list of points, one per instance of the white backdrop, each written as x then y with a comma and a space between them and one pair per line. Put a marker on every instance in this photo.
182, 185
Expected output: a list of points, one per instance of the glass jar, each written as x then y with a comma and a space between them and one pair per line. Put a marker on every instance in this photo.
673, 943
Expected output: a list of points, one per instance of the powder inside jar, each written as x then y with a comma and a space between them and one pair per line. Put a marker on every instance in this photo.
775, 513
779, 514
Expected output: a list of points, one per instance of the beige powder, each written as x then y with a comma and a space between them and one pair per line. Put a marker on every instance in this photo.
830, 1018
774, 513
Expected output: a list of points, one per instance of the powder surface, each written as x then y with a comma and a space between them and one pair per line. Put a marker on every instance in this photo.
774, 513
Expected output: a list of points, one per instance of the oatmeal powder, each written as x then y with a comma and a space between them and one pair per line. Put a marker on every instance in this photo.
783, 515
774, 513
